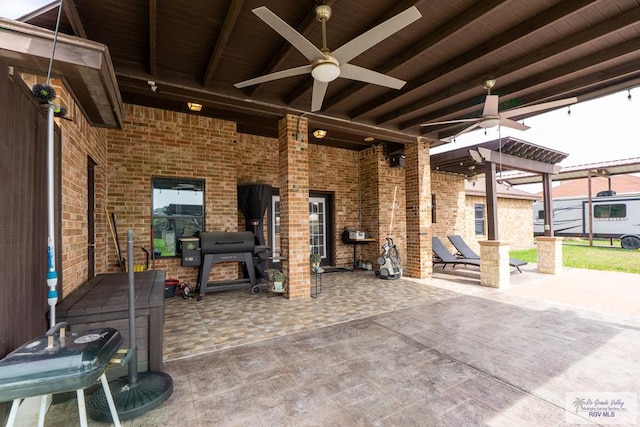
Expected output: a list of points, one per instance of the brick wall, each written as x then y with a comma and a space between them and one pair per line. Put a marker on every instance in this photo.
451, 212
294, 204
335, 171
515, 222
165, 143
383, 204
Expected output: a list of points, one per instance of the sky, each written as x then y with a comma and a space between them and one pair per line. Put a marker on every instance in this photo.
604, 129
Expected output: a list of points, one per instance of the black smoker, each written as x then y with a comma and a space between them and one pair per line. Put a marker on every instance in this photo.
221, 246
253, 201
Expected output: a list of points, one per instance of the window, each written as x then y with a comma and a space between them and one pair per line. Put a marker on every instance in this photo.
618, 210
479, 219
541, 214
178, 211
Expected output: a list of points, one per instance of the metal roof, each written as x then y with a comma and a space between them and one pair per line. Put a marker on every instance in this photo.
609, 168
463, 161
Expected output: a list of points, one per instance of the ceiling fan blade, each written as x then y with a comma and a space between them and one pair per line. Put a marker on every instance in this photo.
355, 47
311, 52
305, 69
353, 72
513, 124
319, 89
446, 122
490, 106
540, 107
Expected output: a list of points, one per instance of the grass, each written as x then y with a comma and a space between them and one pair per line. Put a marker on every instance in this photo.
601, 256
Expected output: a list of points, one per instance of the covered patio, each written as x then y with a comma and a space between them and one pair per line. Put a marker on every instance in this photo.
431, 349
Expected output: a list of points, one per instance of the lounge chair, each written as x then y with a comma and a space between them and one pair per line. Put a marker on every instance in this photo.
464, 251
443, 256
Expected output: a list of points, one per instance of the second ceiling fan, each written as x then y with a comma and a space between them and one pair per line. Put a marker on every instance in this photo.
492, 117
324, 65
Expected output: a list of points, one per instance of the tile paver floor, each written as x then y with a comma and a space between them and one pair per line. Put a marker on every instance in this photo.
370, 352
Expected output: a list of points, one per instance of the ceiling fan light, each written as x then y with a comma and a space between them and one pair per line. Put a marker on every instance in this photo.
325, 72
489, 123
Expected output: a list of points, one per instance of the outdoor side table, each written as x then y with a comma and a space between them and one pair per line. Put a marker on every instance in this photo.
316, 283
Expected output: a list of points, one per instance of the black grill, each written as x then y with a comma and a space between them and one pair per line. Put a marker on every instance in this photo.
220, 246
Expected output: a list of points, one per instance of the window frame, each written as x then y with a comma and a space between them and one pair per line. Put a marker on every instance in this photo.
163, 183
479, 221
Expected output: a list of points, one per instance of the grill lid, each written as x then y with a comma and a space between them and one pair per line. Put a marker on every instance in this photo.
71, 363
223, 242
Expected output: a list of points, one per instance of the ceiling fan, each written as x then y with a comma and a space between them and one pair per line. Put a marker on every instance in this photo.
492, 117
326, 66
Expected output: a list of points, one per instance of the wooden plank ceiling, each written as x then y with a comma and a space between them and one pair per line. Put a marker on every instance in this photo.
196, 50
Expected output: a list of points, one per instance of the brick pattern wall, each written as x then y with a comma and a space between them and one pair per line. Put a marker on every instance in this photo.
294, 205
418, 213
171, 144
515, 222
451, 211
335, 170
369, 167
383, 203
79, 140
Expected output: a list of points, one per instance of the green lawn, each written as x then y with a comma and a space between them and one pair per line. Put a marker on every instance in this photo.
601, 256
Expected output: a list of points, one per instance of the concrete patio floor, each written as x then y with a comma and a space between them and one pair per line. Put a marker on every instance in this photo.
405, 353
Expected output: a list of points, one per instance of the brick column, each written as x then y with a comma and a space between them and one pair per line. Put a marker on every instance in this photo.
494, 264
418, 262
294, 204
549, 255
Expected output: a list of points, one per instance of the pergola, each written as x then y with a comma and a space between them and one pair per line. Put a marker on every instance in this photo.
502, 155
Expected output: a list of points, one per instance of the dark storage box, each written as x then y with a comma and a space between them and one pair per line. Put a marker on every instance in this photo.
104, 302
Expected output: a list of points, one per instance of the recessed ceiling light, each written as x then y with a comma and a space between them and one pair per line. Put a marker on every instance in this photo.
319, 133
368, 138
193, 106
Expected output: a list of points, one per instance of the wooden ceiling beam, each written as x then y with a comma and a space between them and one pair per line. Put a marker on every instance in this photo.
614, 24
542, 20
152, 36
427, 42
227, 28
70, 10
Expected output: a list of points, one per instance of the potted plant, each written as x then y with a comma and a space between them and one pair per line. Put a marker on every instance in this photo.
314, 260
278, 277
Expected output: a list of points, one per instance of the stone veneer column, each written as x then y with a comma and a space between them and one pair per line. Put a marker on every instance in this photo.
418, 262
494, 264
294, 204
549, 254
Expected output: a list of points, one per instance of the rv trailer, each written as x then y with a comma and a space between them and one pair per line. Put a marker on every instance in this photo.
613, 216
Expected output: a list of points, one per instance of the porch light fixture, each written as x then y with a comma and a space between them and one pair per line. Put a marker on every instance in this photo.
193, 106
368, 139
319, 133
